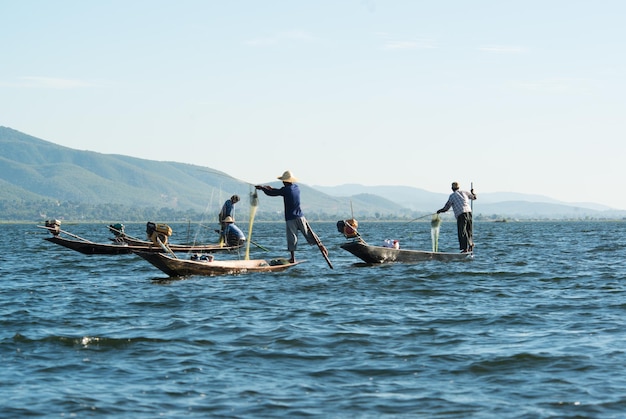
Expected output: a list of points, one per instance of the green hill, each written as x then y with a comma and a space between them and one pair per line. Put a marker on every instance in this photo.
34, 171
39, 179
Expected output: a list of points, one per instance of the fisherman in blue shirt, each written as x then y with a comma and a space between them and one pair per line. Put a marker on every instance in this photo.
295, 220
228, 210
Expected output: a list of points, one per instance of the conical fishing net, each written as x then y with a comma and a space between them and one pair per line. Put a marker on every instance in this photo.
254, 203
434, 231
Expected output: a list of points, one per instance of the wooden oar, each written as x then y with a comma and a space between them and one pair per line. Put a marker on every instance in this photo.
251, 241
322, 248
122, 233
419, 218
50, 229
259, 246
166, 248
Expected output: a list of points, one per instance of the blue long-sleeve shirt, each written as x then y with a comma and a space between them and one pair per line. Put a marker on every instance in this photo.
227, 210
291, 199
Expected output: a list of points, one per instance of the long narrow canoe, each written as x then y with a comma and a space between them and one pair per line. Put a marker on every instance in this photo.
203, 248
92, 248
379, 254
89, 247
174, 267
122, 237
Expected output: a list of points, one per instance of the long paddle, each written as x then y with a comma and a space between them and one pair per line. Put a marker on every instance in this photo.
320, 246
166, 248
50, 229
122, 233
419, 218
259, 246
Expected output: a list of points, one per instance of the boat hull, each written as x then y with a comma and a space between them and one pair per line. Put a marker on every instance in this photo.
120, 248
89, 248
379, 254
184, 267
202, 248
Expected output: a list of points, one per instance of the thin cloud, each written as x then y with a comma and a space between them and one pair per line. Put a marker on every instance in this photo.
558, 85
298, 35
396, 42
33, 82
420, 44
260, 42
501, 49
280, 37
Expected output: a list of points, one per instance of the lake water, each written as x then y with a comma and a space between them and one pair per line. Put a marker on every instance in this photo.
533, 327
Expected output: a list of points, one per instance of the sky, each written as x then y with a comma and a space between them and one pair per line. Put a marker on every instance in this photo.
510, 96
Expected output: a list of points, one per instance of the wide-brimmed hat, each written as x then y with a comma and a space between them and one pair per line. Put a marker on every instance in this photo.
288, 177
228, 219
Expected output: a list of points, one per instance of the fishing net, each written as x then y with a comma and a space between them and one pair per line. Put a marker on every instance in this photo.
254, 203
434, 231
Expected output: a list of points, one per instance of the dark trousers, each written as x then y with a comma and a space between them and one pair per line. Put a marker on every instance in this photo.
464, 229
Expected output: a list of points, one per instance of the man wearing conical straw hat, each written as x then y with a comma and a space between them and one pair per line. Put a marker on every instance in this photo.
294, 218
232, 235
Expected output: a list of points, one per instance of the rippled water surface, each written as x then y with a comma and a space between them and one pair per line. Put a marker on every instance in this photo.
533, 327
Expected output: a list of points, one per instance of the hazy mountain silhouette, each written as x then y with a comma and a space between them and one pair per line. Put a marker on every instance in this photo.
506, 203
34, 169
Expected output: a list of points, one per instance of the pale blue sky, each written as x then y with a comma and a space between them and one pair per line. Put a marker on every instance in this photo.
516, 96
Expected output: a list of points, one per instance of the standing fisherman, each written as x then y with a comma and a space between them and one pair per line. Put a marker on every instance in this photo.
460, 202
294, 218
228, 210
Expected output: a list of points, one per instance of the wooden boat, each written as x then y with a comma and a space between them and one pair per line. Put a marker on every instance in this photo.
89, 247
380, 254
122, 237
174, 267
204, 248
383, 254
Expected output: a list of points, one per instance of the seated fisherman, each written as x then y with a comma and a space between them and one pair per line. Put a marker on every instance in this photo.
232, 235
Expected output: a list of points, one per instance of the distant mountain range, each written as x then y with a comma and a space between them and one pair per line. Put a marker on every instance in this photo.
32, 169
508, 204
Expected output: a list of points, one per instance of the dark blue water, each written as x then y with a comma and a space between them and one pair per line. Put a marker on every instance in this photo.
533, 327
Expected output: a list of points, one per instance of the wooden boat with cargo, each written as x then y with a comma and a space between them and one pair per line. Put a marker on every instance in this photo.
88, 247
163, 231
206, 265
389, 254
381, 254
